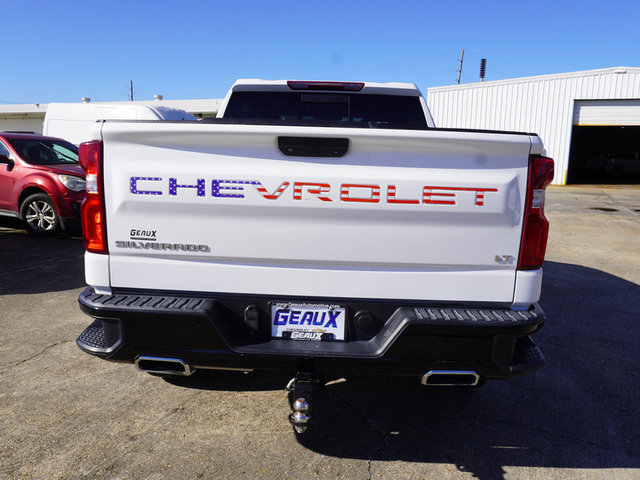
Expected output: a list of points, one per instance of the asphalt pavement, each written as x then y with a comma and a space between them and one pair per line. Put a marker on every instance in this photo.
68, 415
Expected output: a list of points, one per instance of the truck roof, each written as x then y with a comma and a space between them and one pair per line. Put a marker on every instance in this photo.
390, 88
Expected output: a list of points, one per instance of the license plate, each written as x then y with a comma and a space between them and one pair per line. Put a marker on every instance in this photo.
316, 323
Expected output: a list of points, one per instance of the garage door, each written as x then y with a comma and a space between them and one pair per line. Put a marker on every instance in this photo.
606, 112
13, 123
605, 142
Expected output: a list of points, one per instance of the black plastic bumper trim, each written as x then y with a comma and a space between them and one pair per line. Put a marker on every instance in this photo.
151, 324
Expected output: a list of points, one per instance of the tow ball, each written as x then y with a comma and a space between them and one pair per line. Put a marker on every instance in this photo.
300, 389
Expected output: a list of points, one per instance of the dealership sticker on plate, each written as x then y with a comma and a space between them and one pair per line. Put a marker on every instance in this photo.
311, 322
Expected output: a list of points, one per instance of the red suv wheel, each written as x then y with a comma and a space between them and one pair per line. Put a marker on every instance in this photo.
39, 215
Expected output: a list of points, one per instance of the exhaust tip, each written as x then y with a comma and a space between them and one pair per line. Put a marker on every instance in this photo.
163, 365
451, 378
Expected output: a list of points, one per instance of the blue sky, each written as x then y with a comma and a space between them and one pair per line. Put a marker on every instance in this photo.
60, 51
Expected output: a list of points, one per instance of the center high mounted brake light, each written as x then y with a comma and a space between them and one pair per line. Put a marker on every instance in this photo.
92, 212
536, 226
332, 86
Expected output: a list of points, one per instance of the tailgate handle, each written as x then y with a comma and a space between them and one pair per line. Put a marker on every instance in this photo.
313, 146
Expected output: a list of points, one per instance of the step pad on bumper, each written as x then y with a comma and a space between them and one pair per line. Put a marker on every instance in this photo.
475, 315
93, 338
100, 338
143, 302
527, 357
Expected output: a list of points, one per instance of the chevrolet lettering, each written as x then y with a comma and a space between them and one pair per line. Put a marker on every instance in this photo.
345, 192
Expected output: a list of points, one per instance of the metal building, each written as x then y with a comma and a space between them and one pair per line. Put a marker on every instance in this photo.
589, 121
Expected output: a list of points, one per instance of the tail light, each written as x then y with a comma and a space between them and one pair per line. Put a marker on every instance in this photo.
536, 225
92, 212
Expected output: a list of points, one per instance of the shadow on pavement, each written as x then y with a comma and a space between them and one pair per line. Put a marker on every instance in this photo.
21, 254
579, 411
232, 381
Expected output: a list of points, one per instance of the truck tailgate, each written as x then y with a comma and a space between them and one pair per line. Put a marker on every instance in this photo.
413, 215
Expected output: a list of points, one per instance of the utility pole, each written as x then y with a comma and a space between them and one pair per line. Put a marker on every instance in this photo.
131, 90
460, 69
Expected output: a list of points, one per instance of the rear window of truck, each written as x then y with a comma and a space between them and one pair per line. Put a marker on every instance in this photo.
371, 110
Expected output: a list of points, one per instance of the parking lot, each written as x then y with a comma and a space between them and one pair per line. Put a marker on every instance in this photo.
65, 414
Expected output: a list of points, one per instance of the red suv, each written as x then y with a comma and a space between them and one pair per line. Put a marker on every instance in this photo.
40, 182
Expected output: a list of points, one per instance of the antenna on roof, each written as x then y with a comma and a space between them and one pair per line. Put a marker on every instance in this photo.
483, 68
460, 69
131, 90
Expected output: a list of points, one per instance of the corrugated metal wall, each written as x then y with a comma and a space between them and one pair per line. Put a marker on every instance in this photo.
543, 105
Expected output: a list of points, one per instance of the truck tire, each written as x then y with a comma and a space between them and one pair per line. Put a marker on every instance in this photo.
39, 215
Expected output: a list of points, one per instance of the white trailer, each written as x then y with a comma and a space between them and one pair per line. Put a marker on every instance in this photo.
74, 121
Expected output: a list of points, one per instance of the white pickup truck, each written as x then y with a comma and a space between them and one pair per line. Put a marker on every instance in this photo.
326, 228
